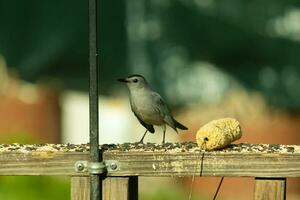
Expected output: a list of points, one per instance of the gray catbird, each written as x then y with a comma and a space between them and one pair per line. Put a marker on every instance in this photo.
148, 106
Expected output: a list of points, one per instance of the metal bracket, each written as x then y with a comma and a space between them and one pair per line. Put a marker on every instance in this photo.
96, 167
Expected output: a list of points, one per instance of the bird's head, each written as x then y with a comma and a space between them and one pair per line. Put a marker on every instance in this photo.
134, 81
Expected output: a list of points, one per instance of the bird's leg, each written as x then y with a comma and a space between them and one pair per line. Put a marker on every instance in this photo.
164, 133
141, 141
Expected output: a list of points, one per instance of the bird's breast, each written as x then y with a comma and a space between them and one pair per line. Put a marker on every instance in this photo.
146, 111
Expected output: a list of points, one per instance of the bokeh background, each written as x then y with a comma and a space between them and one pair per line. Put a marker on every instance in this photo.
209, 59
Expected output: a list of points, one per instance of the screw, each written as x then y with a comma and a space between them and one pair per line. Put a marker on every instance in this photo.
80, 166
113, 166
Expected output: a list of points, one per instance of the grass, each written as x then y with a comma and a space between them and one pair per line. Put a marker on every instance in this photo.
34, 187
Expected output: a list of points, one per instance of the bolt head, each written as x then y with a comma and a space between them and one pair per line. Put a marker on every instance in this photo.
80, 166
113, 166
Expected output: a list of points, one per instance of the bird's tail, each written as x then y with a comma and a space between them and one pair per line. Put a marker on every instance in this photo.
180, 126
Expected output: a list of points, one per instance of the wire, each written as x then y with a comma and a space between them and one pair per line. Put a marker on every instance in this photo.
193, 178
201, 171
191, 187
219, 186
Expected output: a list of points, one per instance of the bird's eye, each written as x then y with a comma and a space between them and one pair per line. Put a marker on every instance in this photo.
135, 80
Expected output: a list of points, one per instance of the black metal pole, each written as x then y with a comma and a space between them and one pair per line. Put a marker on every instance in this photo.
96, 183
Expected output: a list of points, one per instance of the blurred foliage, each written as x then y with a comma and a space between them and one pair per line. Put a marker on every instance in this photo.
255, 42
43, 39
34, 188
169, 193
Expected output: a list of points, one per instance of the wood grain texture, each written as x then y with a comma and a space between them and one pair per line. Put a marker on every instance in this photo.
114, 188
41, 163
213, 164
162, 162
270, 189
120, 188
80, 188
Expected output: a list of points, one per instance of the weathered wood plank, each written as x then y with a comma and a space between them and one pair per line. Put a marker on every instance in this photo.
41, 163
80, 188
270, 189
120, 188
156, 160
213, 164
114, 188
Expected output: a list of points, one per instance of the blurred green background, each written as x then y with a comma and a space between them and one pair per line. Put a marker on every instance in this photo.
226, 58
256, 42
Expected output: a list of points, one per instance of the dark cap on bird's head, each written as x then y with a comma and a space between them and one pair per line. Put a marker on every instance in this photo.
135, 76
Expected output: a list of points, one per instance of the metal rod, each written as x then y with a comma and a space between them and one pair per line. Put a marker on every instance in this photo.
96, 183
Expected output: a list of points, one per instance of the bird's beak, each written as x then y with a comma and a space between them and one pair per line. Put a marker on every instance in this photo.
123, 80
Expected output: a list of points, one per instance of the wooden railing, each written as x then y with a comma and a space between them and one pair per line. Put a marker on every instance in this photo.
269, 164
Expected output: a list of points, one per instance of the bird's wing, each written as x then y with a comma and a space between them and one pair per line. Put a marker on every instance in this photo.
149, 127
163, 109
